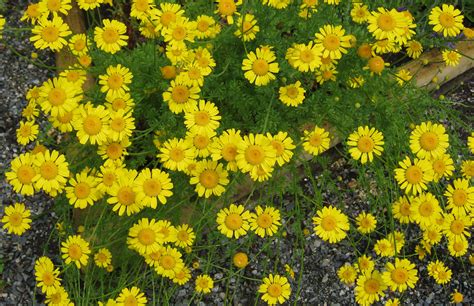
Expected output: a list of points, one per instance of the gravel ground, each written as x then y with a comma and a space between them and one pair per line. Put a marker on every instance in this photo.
18, 254
321, 260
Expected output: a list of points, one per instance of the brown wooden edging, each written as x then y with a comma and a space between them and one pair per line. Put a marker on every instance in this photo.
429, 69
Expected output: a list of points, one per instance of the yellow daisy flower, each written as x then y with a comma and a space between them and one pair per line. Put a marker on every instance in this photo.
304, 57
387, 24
22, 173
145, 236
58, 96
247, 27
360, 13
204, 284
82, 191
47, 277
366, 223
456, 226
27, 132
179, 32
365, 264
206, 27
51, 172
79, 44
347, 274
414, 49
260, 67
265, 221
111, 37
209, 178
451, 57
170, 262
369, 288
203, 117
167, 14
457, 297
116, 80
227, 8
429, 140
184, 236
182, 276
59, 297
76, 250
132, 296
460, 197
425, 209
16, 219
225, 147
467, 169
330, 224
89, 4
364, 143
470, 142
332, 41
116, 103
432, 234
376, 65
233, 222
325, 75
414, 176
292, 94
176, 154
443, 166
122, 195
439, 272
255, 151
447, 20
316, 141
240, 260
180, 96
153, 186
201, 141
458, 246
141, 9
400, 275
114, 151
103, 258
91, 124
283, 145
50, 34
275, 289
55, 7
32, 13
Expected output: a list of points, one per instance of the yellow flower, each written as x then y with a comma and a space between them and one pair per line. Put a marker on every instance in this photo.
401, 210
209, 178
122, 195
400, 275
225, 147
425, 209
227, 8
27, 132
292, 94
32, 13
79, 44
111, 37
240, 260
365, 143
332, 41
203, 117
456, 226
151, 186
167, 14
247, 24
457, 297
316, 141
145, 236
176, 154
58, 96
16, 219
233, 222
76, 250
439, 272
113, 151
206, 27
366, 223
442, 167
116, 80
429, 140
387, 24
365, 264
414, 49
330, 224
142, 9
283, 144
182, 276
47, 277
451, 57
360, 13
50, 34
184, 236
254, 152
58, 297
414, 176
470, 142
103, 258
303, 57
275, 289
326, 74
22, 174
384, 248
82, 190
369, 288
91, 124
260, 67
403, 76
265, 221
376, 65
179, 32
55, 7
458, 246
460, 197
89, 4
180, 96
191, 75
51, 172
116, 103
132, 296
204, 283
467, 169
347, 274
170, 262
121, 125
446, 20
432, 234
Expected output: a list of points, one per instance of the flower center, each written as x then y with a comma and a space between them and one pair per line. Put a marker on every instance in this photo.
459, 197
292, 92
414, 174
126, 195
306, 56
182, 236
399, 276
53, 5
49, 170
260, 67
365, 144
264, 220
25, 174
146, 236
82, 190
328, 223
371, 286
194, 73
201, 141
176, 154
25, 131
92, 125
79, 44
167, 262
75, 251
141, 5
180, 94
458, 246
229, 152
50, 34
227, 7
278, 146
110, 36
152, 187
405, 209
426, 209
274, 290
130, 301
429, 141
48, 278
209, 178
167, 18
331, 42
457, 227
202, 118
315, 140
16, 219
118, 124
114, 150
386, 23
57, 96
179, 33
233, 221
56, 298
254, 155
446, 20
101, 257
108, 179
376, 64
203, 25
118, 103
439, 166
115, 81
